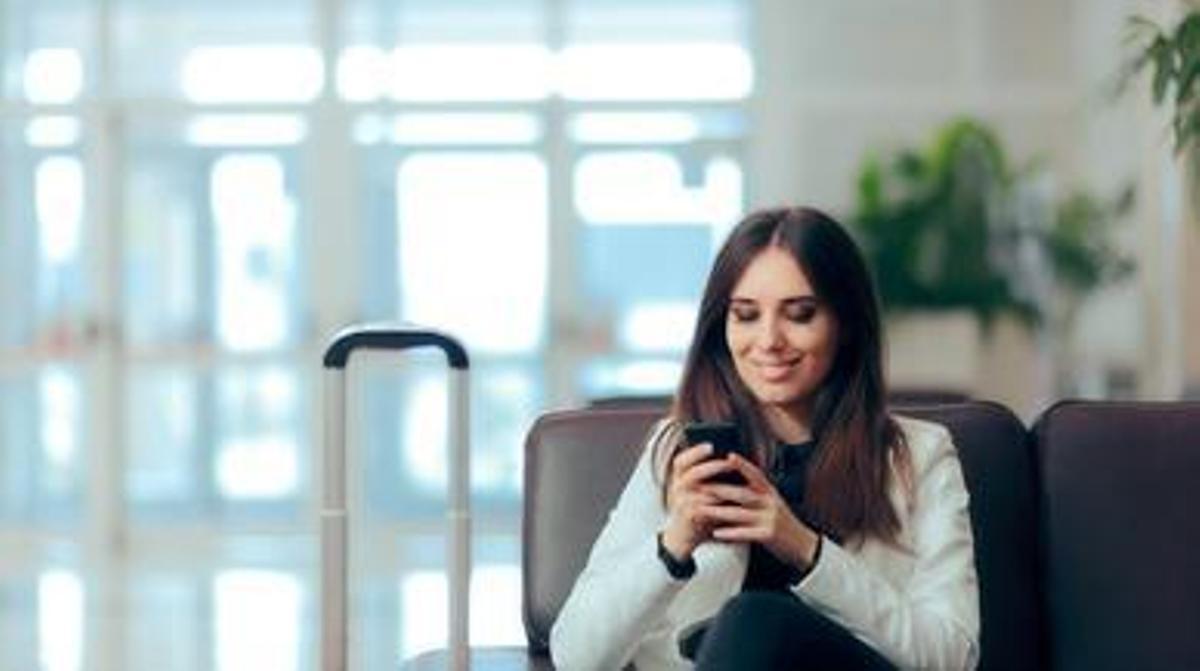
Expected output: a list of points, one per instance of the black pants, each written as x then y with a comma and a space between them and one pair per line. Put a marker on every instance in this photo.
776, 630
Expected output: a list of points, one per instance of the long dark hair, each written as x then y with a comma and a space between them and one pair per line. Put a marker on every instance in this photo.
847, 482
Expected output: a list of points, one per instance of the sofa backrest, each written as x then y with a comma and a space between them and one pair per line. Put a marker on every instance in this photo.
1120, 490
998, 466
576, 464
577, 461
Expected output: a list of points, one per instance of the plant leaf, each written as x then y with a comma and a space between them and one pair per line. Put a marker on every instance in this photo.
1163, 58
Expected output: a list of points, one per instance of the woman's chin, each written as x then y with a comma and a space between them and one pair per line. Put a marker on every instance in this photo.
777, 395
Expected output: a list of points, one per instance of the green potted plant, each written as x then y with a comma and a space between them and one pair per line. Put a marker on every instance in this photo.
1173, 58
1079, 247
931, 222
955, 246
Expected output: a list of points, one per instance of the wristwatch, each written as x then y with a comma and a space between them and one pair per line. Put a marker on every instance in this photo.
679, 569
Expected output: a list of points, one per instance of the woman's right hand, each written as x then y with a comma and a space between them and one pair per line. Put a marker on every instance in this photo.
687, 527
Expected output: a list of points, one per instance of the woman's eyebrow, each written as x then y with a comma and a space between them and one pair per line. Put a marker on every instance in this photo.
804, 299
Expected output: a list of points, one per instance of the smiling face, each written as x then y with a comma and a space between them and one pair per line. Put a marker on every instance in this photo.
782, 338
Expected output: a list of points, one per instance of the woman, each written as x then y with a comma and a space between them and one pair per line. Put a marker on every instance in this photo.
847, 543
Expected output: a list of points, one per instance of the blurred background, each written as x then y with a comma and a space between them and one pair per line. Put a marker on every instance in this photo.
195, 195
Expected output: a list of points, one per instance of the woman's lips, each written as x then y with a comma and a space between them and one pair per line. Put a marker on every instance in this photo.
774, 371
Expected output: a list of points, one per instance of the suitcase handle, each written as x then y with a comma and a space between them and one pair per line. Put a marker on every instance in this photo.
334, 522
392, 337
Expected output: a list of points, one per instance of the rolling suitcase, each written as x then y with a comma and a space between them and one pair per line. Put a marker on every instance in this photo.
334, 522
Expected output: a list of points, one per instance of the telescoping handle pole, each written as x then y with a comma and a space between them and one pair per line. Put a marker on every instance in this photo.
334, 524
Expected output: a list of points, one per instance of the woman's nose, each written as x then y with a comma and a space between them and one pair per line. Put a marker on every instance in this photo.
770, 336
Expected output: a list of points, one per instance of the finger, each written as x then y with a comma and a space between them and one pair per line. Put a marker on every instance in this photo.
699, 497
729, 515
687, 458
695, 501
754, 476
737, 534
685, 498
739, 494
703, 471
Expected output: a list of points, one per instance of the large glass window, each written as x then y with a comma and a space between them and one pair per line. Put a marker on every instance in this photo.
194, 195
49, 50
45, 289
658, 214
213, 304
218, 52
472, 245
254, 220
44, 438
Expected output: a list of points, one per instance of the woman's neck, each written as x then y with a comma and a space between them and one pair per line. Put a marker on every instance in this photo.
788, 423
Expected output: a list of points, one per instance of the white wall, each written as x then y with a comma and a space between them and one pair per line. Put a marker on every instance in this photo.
838, 79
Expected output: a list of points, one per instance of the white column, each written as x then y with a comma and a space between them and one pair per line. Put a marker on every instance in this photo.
331, 178
563, 318
1189, 262
773, 153
107, 533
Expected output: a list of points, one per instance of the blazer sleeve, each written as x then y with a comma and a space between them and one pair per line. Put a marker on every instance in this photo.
624, 589
934, 622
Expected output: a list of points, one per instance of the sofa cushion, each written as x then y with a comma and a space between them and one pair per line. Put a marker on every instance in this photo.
1120, 484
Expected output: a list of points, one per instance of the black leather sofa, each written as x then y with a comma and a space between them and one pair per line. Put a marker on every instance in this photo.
1086, 530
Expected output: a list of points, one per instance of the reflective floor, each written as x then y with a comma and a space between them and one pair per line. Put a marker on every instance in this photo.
236, 604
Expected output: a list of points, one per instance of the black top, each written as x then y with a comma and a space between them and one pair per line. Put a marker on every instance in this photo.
787, 473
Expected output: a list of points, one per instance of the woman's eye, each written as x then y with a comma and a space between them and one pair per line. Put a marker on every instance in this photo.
744, 315
802, 315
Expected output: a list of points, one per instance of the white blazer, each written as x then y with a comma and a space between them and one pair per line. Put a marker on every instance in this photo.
917, 604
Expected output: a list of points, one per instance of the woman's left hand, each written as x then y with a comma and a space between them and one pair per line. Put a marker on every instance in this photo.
756, 513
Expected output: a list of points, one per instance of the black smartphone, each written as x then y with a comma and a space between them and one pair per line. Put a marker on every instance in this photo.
724, 438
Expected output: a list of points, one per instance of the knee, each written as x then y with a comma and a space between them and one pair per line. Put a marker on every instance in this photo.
763, 612
750, 602
753, 630
757, 608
